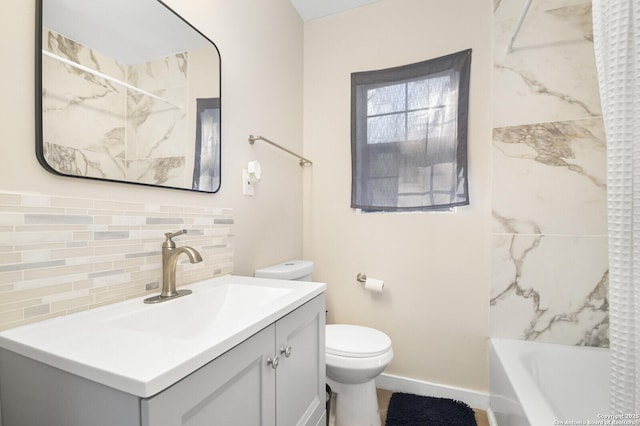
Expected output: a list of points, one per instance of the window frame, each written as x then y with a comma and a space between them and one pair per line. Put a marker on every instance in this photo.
455, 64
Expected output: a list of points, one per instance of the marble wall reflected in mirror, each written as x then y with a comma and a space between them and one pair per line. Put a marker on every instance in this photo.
121, 84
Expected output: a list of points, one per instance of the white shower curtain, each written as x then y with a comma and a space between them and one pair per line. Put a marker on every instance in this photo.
616, 27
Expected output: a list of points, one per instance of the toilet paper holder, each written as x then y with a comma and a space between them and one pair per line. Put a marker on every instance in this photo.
369, 283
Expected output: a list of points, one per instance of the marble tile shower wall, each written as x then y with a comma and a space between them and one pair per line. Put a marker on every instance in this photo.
550, 266
60, 255
124, 135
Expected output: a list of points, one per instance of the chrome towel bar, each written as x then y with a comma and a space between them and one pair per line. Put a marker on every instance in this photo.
303, 160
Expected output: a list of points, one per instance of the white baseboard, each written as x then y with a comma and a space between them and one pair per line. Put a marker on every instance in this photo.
394, 383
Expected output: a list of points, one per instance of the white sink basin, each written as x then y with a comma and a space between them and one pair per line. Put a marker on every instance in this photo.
142, 349
188, 316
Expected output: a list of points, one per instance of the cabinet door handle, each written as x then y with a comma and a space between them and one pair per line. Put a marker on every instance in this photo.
273, 362
286, 351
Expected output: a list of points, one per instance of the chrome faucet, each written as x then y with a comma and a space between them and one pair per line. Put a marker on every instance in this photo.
170, 254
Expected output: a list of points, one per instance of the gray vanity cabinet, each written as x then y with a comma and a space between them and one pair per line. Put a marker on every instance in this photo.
240, 387
236, 388
36, 394
275, 377
300, 379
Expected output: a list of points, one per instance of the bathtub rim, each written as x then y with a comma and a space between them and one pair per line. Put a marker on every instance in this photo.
530, 397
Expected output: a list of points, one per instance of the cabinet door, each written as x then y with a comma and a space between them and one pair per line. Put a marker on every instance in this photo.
234, 389
300, 378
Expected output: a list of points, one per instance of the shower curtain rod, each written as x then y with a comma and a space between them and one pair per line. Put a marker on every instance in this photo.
525, 10
106, 77
303, 160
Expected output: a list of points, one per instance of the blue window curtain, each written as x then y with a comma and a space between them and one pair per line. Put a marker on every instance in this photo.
409, 135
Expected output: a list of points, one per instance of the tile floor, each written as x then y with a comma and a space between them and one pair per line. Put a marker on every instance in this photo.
383, 401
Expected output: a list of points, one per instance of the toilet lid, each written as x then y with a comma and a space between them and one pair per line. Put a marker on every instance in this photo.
355, 341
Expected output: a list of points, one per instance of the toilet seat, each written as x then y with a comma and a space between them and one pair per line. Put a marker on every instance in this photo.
354, 341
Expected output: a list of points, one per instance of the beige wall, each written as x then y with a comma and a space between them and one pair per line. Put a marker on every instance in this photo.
435, 265
261, 48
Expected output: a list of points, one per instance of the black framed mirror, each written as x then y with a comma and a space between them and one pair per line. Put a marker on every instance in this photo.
127, 91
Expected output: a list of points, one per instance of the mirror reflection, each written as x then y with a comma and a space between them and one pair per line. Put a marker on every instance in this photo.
130, 92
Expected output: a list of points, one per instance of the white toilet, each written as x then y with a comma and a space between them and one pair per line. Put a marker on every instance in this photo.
354, 355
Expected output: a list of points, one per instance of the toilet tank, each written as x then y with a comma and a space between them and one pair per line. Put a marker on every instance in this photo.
298, 270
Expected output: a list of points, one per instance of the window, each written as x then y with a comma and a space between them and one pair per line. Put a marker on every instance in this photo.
409, 136
206, 170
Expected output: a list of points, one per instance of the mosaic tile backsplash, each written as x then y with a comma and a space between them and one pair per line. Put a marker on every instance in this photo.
60, 255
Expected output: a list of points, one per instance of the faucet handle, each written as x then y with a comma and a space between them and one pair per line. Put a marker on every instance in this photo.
170, 235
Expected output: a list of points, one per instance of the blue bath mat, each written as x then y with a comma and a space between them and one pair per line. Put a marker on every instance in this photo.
406, 409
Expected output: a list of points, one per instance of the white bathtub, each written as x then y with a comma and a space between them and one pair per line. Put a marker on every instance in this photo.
537, 384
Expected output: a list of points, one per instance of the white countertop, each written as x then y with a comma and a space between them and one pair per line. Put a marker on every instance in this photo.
142, 349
